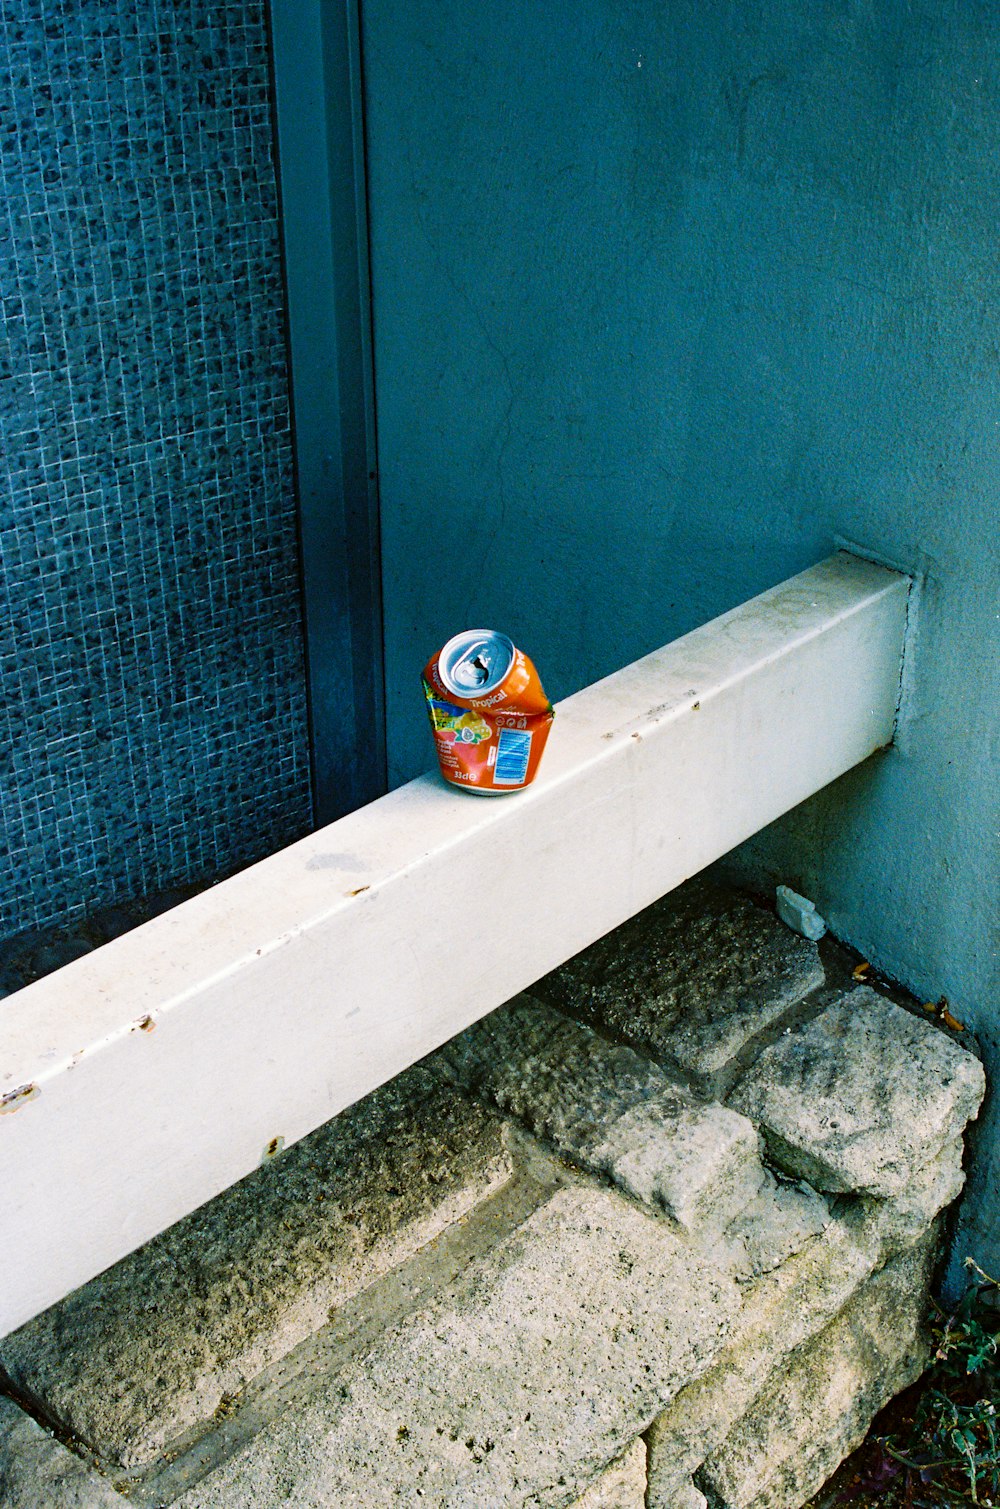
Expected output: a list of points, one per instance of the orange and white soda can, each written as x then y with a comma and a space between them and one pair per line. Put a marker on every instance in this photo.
488, 712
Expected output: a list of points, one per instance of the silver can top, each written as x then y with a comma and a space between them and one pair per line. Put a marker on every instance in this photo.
475, 662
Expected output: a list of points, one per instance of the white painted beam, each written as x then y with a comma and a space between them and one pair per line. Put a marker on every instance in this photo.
143, 1079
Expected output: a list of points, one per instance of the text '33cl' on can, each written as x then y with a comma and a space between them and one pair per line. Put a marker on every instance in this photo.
488, 712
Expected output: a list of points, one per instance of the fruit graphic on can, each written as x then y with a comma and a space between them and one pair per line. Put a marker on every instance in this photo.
489, 714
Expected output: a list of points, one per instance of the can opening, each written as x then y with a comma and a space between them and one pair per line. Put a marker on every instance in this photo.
472, 672
475, 662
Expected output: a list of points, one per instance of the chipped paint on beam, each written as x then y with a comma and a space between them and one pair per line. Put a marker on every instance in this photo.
15, 1099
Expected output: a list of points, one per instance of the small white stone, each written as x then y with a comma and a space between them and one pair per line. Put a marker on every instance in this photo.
799, 913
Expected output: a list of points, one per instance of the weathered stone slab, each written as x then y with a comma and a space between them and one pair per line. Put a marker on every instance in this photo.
697, 979
157, 1343
861, 1097
902, 1220
38, 1472
778, 1222
516, 1386
820, 1406
612, 1111
683, 1496
780, 1312
620, 1486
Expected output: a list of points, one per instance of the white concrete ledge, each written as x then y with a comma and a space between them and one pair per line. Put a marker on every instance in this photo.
143, 1079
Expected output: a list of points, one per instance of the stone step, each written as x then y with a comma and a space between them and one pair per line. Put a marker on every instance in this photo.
779, 1313
516, 1385
862, 1097
161, 1341
698, 980
865, 1098
613, 1111
617, 1113
819, 1409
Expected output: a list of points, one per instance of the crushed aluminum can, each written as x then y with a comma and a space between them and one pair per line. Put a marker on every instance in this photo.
489, 714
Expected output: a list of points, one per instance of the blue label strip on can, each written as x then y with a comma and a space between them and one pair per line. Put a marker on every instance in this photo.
513, 752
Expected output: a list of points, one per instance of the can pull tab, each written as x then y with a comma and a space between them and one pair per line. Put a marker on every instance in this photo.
474, 669
474, 662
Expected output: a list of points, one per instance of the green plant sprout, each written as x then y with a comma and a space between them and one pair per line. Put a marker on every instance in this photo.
943, 1446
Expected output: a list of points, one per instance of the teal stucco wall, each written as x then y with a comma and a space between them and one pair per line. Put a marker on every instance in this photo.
670, 300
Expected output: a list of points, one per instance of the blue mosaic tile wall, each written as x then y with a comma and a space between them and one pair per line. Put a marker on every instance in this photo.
152, 690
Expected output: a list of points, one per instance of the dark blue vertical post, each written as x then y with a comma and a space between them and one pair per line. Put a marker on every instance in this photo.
320, 132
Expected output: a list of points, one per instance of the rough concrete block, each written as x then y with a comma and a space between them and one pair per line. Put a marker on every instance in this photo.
818, 1408
155, 1344
862, 1097
697, 979
38, 1472
700, 1166
675, 1495
780, 1311
688, 1497
517, 1384
620, 1486
777, 1223
902, 1220
612, 1111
